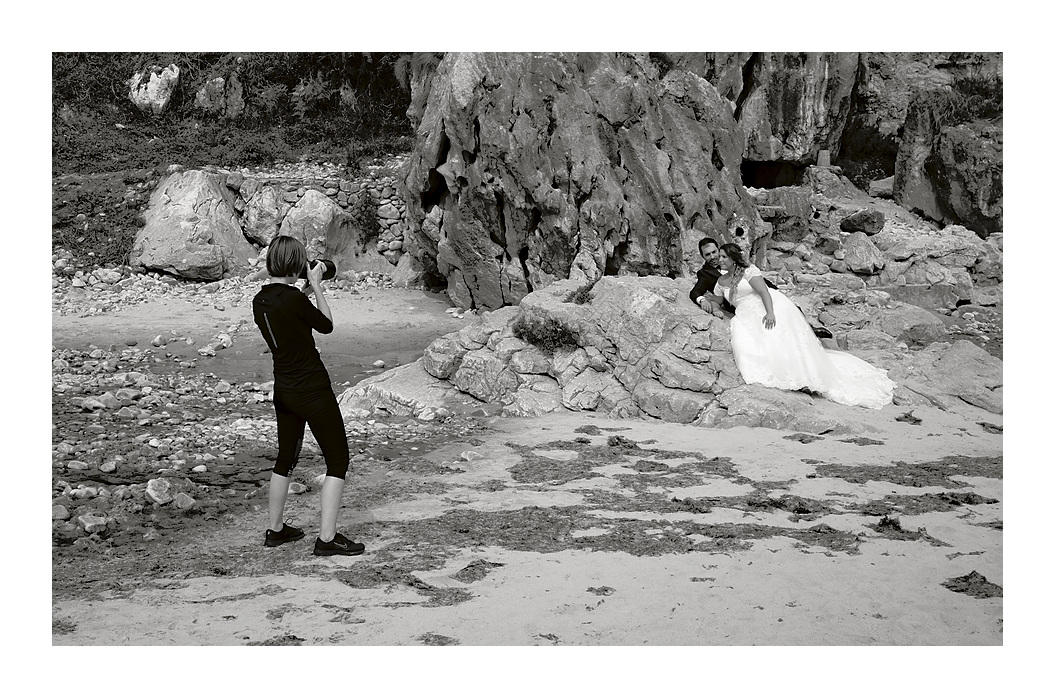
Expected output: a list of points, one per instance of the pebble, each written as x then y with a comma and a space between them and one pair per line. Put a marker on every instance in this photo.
92, 523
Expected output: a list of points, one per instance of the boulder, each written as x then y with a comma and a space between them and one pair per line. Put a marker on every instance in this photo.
946, 374
160, 491
755, 406
152, 90
325, 229
861, 255
408, 390
869, 221
908, 323
221, 96
264, 213
618, 157
881, 188
941, 297
796, 105
191, 229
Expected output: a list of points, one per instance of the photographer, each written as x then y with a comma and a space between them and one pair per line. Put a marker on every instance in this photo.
302, 392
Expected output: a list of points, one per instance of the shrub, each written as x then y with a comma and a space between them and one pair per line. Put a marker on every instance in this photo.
548, 334
976, 95
582, 294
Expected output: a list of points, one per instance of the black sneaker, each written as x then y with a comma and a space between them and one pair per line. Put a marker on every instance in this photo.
339, 545
287, 534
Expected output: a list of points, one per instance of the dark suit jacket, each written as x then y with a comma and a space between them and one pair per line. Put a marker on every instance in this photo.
706, 282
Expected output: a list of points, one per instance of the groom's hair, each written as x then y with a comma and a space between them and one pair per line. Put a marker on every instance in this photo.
705, 241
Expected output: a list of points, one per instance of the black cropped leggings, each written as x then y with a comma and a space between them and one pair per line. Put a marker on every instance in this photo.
319, 409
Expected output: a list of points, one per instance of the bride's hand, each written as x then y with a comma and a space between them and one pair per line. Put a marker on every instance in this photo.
768, 321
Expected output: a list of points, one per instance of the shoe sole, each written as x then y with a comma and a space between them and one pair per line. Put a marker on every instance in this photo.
292, 539
338, 552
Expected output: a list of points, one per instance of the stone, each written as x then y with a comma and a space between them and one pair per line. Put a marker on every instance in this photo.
60, 512
151, 90
947, 373
297, 487
927, 296
92, 523
325, 229
861, 255
908, 323
191, 230
159, 491
184, 502
869, 221
590, 178
882, 188
757, 406
264, 213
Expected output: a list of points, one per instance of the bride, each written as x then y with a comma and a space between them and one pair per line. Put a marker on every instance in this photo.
774, 345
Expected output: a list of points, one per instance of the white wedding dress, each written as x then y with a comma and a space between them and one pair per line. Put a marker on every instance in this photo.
789, 356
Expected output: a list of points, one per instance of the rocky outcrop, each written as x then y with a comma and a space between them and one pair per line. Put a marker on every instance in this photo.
886, 82
192, 230
948, 374
152, 90
796, 105
950, 173
529, 168
936, 269
639, 348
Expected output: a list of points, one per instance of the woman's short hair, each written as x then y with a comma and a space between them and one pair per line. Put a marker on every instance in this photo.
287, 257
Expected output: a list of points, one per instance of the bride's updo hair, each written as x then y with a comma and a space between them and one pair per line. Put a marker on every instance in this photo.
737, 256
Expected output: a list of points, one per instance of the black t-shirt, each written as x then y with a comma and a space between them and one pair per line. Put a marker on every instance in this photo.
287, 318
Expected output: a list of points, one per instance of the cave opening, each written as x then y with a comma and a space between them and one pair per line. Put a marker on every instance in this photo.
768, 174
616, 260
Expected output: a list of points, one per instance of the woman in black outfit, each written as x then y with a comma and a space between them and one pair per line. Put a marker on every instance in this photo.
302, 393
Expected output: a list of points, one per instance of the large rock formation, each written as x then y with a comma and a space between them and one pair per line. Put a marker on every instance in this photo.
534, 167
795, 105
950, 173
885, 84
638, 348
192, 230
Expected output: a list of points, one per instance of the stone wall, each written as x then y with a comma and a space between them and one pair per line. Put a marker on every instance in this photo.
379, 183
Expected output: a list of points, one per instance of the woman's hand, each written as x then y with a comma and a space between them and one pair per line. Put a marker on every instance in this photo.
768, 320
315, 274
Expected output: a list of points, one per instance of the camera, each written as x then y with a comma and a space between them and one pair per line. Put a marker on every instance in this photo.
329, 269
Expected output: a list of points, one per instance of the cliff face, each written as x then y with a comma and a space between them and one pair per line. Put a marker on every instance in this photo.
530, 168
535, 167
950, 173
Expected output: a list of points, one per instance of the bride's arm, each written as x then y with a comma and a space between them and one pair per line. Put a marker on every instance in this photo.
760, 288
